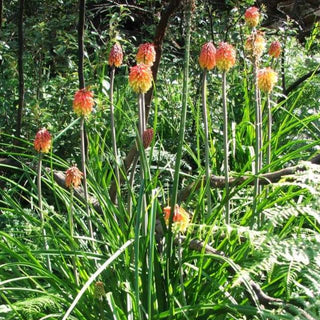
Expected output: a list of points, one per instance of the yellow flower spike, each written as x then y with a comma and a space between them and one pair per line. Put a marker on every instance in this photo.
140, 78
225, 56
255, 44
83, 102
146, 54
252, 17
267, 78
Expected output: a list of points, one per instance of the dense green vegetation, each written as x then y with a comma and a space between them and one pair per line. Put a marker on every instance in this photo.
264, 264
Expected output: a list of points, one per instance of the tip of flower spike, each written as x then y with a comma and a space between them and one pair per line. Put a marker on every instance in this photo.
73, 177
146, 54
275, 49
207, 57
115, 56
42, 141
147, 137
252, 17
99, 291
83, 102
140, 78
225, 56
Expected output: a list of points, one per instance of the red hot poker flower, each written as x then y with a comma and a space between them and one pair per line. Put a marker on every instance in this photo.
275, 49
180, 218
42, 141
225, 56
146, 54
252, 17
207, 58
73, 177
140, 78
115, 56
267, 78
147, 137
83, 102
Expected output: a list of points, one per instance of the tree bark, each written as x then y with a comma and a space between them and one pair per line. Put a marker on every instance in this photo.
82, 4
20, 68
1, 13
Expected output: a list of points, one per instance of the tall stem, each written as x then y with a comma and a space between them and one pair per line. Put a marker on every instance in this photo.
225, 145
269, 131
44, 233
113, 128
258, 128
181, 142
206, 136
141, 130
84, 170
71, 229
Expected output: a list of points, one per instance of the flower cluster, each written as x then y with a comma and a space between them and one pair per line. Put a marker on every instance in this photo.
180, 218
115, 56
267, 78
147, 137
140, 78
83, 102
225, 56
73, 177
252, 17
207, 58
146, 54
42, 141
255, 44
275, 49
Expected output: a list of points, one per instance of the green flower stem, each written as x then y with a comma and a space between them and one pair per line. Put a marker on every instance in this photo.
113, 129
131, 181
206, 134
269, 131
43, 229
258, 128
225, 145
71, 228
85, 185
173, 201
142, 168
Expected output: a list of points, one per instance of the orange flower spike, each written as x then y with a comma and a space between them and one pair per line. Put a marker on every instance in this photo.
257, 46
180, 218
115, 56
225, 56
83, 102
275, 49
147, 137
252, 17
140, 78
73, 177
267, 78
207, 57
146, 54
42, 141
